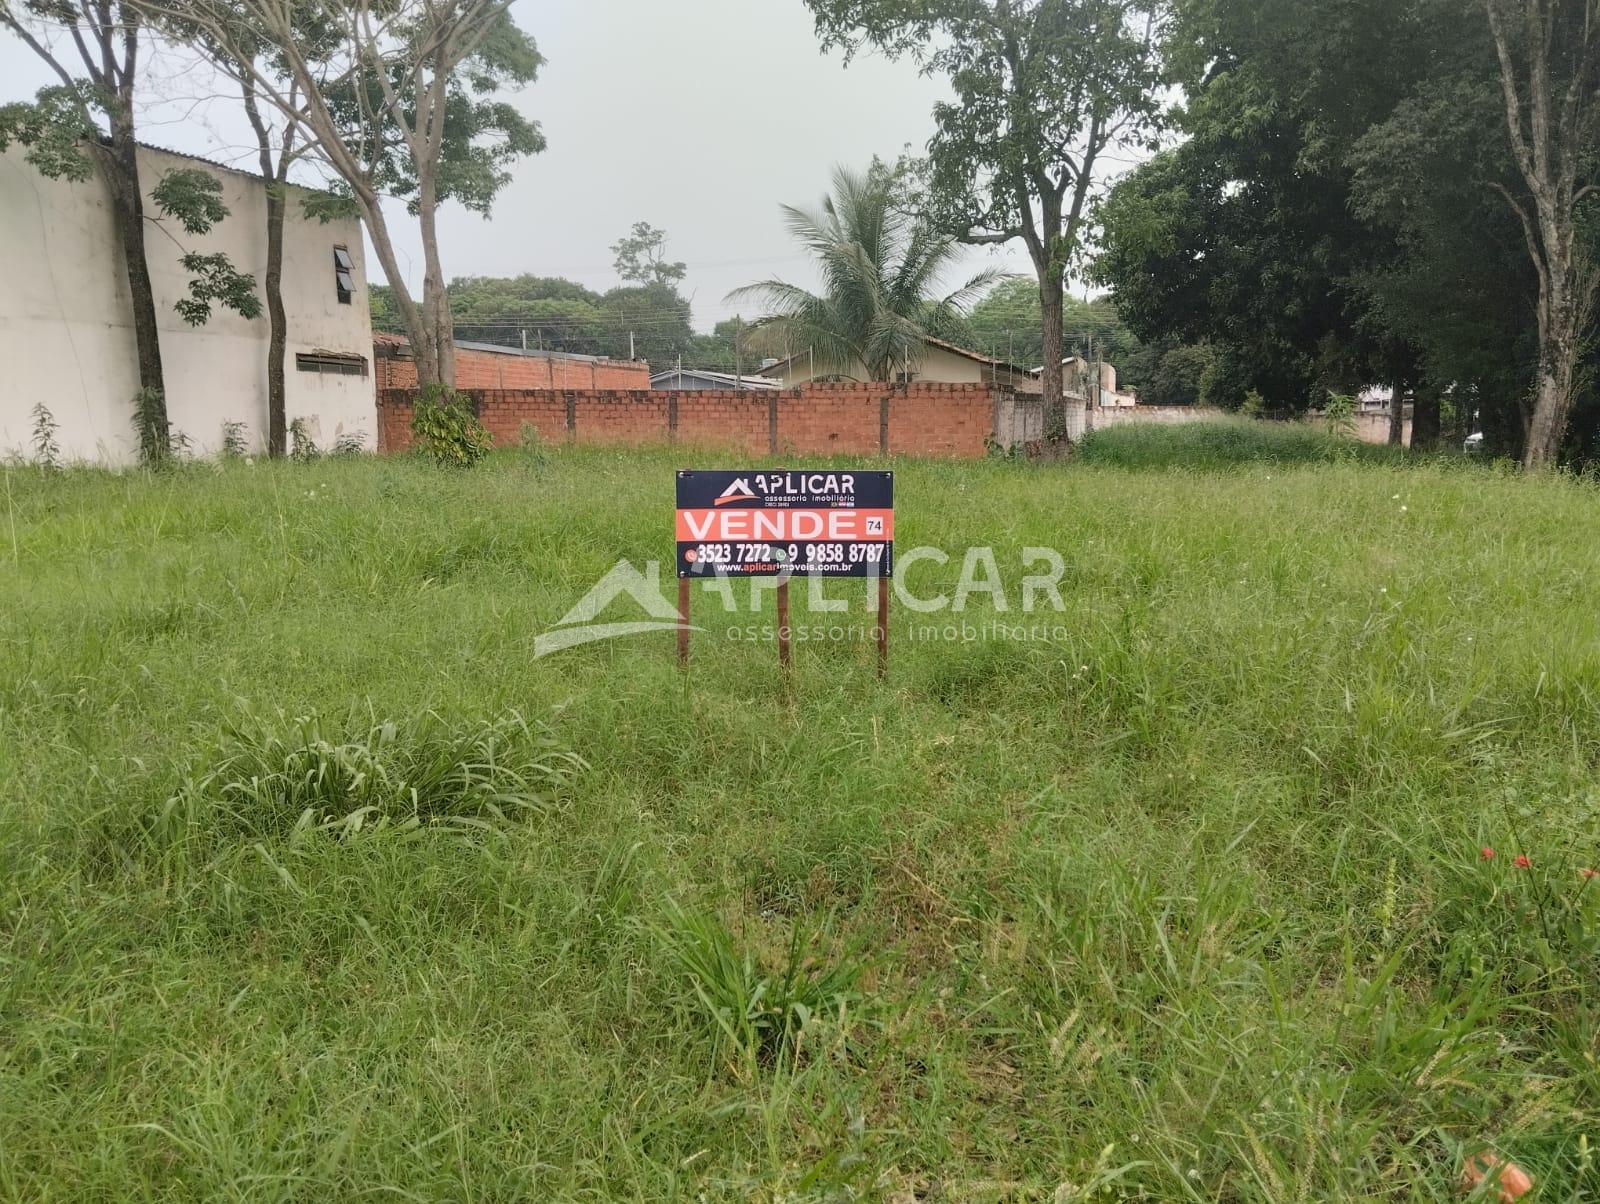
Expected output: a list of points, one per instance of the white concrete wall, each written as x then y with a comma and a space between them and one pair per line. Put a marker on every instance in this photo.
1153, 415
66, 328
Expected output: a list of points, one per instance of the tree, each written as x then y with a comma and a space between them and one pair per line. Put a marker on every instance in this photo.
879, 265
87, 122
278, 147
1043, 89
651, 322
1549, 54
539, 312
1458, 251
1246, 236
641, 257
1008, 324
399, 99
732, 346
1168, 373
1338, 216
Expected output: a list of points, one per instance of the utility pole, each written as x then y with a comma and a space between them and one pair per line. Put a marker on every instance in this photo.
738, 363
1094, 406
524, 333
630, 345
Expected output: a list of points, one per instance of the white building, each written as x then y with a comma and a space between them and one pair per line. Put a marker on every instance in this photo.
1078, 375
66, 326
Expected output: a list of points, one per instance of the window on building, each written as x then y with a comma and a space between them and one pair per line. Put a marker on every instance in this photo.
330, 363
344, 274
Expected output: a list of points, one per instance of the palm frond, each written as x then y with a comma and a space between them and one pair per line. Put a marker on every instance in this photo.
879, 269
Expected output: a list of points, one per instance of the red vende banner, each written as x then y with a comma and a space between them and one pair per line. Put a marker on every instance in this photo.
784, 526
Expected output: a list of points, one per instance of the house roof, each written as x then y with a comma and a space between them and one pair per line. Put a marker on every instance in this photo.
1070, 359
746, 380
400, 346
954, 349
247, 172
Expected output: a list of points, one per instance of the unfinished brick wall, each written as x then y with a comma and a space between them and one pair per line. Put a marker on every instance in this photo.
393, 368
923, 418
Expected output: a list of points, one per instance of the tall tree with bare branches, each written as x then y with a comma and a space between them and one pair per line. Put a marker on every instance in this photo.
399, 99
279, 146
1549, 52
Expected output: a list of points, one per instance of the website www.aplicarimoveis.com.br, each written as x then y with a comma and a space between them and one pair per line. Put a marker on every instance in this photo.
927, 633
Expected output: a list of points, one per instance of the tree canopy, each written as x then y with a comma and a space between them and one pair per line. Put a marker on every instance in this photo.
1337, 212
644, 316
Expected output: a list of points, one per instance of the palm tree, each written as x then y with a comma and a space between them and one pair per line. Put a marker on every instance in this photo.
880, 267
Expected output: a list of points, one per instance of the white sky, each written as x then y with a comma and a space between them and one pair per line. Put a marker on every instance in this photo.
698, 116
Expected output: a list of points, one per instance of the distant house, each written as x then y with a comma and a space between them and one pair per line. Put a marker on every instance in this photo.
1376, 399
1078, 378
701, 378
940, 362
66, 319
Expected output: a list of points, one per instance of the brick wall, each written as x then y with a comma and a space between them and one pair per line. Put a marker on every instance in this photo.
922, 418
508, 369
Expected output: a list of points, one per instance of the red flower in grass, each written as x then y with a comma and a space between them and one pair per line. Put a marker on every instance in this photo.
1587, 874
1522, 862
1488, 853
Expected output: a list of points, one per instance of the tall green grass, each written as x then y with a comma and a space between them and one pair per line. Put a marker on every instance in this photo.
1183, 902
1219, 443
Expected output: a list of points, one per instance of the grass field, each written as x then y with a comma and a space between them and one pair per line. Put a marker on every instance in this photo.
306, 895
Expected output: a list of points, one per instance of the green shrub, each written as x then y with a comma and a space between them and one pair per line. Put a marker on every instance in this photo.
46, 450
277, 778
235, 441
530, 441
1339, 414
446, 429
759, 1012
302, 448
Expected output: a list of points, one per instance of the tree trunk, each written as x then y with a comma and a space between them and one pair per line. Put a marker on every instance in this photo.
1552, 139
1397, 416
1425, 419
127, 194
277, 320
410, 312
435, 298
1057, 427
276, 178
1557, 374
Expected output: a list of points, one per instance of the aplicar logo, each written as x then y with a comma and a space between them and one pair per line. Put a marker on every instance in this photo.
577, 626
739, 491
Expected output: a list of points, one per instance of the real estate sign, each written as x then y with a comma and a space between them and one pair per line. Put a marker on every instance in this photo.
822, 522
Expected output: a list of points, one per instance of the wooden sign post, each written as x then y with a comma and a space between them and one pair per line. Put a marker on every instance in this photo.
883, 625
783, 624
785, 523
683, 622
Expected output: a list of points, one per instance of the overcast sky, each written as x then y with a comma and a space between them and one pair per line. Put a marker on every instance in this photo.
698, 116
